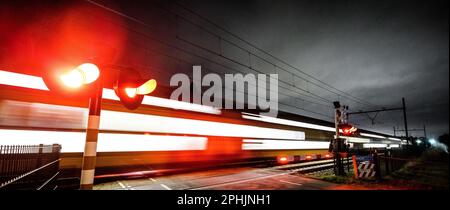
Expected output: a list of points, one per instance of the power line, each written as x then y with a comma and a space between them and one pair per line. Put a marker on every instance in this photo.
249, 66
185, 51
234, 61
134, 19
289, 105
208, 50
345, 94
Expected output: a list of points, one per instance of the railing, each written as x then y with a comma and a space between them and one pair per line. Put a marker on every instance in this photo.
387, 164
29, 167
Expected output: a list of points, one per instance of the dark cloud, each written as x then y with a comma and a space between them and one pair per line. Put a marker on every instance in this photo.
378, 51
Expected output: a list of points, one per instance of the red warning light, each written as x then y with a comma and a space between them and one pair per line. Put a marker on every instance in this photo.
84, 74
348, 130
283, 159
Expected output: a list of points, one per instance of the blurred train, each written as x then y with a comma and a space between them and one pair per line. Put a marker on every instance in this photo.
161, 131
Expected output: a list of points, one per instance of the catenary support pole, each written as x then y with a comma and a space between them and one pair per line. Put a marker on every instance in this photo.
404, 118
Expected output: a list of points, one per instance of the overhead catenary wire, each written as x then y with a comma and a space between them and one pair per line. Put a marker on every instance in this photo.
197, 55
221, 39
330, 88
249, 66
344, 94
188, 52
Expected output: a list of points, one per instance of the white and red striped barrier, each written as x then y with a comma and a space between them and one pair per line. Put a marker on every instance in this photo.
366, 170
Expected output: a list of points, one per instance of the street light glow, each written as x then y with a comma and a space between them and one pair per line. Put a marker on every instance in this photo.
418, 141
432, 141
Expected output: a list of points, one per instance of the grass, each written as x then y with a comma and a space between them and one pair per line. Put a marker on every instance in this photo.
338, 179
348, 178
429, 171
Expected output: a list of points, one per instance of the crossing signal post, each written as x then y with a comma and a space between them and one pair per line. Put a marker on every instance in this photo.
86, 81
90, 148
337, 145
82, 81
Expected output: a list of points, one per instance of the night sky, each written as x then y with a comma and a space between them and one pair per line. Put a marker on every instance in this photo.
377, 51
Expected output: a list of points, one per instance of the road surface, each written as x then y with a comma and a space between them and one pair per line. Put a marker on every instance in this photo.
223, 179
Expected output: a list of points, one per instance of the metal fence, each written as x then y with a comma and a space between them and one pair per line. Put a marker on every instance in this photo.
388, 164
29, 167
376, 165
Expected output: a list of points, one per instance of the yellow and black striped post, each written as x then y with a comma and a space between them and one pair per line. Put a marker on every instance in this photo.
90, 148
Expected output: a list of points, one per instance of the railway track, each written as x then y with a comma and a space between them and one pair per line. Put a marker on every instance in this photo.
311, 166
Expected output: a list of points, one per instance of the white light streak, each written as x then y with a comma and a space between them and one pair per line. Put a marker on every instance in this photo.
394, 145
271, 144
287, 122
22, 80
108, 142
35, 82
372, 135
162, 102
111, 120
355, 139
374, 145
56, 116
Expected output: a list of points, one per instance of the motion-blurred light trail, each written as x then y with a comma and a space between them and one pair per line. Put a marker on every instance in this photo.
108, 142
22, 80
35, 82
